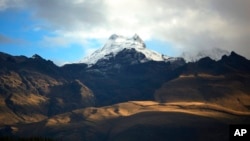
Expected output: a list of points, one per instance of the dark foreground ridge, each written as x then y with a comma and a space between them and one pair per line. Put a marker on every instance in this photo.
10, 138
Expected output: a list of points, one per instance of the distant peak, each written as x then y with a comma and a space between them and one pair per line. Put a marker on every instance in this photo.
234, 54
214, 53
36, 56
113, 37
131, 41
137, 38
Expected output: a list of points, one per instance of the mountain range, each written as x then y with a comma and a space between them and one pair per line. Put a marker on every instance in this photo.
124, 91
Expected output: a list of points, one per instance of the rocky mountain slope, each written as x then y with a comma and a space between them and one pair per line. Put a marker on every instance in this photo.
31, 89
225, 82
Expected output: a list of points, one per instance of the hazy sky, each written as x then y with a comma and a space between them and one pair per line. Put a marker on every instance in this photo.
67, 30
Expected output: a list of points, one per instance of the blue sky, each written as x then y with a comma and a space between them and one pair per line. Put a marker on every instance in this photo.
25, 38
66, 31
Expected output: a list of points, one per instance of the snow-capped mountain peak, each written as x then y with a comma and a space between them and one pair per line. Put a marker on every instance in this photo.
138, 39
117, 43
213, 53
133, 42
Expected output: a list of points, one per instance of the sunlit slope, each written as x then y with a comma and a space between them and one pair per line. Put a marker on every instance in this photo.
138, 119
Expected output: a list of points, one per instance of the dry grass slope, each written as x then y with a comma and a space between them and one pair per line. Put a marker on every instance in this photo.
135, 119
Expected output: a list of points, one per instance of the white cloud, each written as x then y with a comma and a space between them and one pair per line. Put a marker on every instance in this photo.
2, 4
187, 25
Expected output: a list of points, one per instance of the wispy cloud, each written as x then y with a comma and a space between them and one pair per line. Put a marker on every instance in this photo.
5, 39
8, 40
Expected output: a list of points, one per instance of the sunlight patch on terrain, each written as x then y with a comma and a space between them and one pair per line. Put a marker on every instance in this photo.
32, 99
135, 107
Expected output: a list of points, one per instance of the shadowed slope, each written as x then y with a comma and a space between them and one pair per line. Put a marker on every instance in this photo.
225, 82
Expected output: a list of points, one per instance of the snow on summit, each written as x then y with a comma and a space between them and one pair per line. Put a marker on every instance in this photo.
213, 53
117, 43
